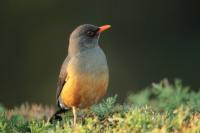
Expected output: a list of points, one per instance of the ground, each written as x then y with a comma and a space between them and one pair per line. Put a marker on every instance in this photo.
162, 107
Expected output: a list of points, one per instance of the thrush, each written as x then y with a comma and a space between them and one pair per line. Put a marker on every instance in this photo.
84, 74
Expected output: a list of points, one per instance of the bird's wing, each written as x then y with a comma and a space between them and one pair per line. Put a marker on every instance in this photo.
61, 78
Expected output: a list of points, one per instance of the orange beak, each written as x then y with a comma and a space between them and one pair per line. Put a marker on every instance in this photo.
103, 28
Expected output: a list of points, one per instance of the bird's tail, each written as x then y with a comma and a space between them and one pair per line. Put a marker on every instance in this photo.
57, 115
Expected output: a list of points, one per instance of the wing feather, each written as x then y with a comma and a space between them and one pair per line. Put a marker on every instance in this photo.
61, 79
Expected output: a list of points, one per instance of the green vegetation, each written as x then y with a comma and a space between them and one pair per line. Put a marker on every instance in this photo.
163, 107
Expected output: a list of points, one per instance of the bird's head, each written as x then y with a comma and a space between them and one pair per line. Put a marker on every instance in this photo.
85, 36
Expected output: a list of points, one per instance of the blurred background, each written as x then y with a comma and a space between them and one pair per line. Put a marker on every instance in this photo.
148, 41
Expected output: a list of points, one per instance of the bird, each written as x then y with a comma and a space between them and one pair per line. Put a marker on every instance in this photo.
84, 74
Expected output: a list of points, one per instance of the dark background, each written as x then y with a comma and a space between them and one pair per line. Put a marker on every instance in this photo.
149, 40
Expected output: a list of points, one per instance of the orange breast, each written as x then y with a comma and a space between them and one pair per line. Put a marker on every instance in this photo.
83, 90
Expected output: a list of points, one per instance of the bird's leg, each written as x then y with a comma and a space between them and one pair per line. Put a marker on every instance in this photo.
74, 113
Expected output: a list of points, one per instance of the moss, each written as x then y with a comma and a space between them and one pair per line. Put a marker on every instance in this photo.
159, 111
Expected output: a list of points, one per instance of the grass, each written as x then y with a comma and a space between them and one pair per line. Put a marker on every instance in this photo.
162, 107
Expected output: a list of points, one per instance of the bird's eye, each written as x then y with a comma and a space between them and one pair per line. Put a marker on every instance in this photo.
90, 33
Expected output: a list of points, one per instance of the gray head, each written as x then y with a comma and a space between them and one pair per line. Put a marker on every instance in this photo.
84, 37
